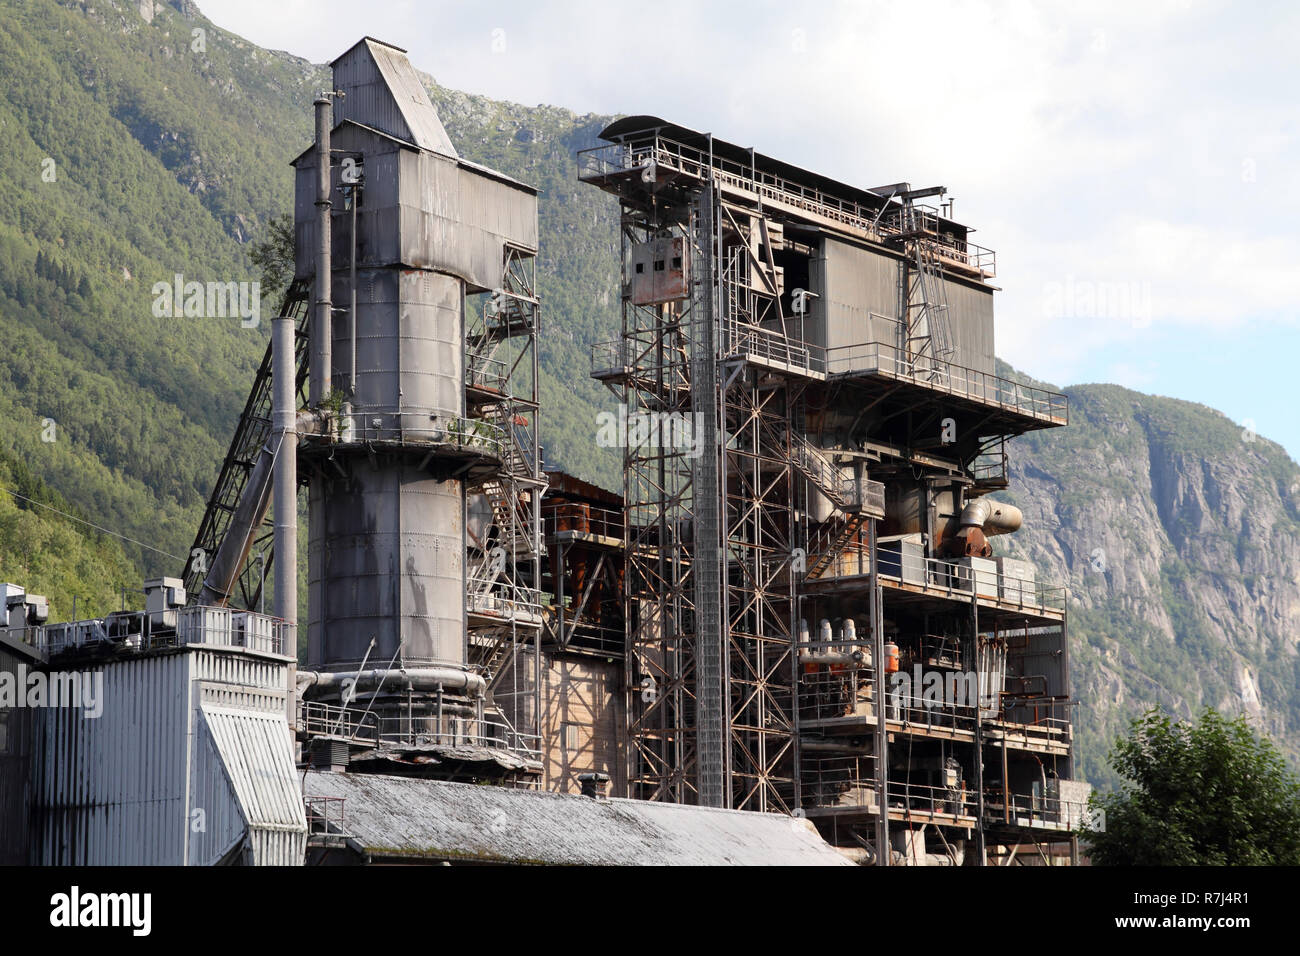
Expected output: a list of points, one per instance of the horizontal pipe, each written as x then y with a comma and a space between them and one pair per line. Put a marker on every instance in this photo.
410, 678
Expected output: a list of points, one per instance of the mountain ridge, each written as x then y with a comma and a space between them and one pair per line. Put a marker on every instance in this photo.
174, 160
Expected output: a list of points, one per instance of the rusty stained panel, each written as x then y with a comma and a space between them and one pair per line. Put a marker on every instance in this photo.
659, 271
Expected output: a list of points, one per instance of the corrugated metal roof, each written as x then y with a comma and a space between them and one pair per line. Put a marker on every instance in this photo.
255, 750
404, 818
382, 87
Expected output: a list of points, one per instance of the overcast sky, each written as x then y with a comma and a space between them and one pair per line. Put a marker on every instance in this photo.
1135, 165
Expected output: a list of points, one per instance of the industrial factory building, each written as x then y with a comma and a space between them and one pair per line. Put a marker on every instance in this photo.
787, 639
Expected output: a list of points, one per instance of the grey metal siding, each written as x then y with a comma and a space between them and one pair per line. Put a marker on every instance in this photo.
970, 317
853, 283
121, 789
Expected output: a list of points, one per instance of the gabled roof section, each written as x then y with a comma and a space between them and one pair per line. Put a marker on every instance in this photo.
412, 820
383, 90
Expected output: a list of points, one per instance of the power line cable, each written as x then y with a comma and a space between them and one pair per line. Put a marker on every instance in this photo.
40, 504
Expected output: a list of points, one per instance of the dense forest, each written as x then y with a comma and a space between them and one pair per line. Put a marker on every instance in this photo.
143, 146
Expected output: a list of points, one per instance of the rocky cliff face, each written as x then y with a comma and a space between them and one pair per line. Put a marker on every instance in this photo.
1178, 534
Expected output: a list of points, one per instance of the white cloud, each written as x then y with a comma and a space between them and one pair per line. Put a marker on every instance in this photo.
1148, 146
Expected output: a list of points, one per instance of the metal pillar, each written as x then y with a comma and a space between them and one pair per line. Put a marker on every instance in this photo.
321, 335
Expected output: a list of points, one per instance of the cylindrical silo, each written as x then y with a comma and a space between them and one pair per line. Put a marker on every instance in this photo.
386, 547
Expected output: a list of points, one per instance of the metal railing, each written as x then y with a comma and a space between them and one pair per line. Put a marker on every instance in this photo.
953, 578
909, 711
653, 151
429, 730
488, 374
197, 624
920, 218
479, 732
936, 801
879, 358
1046, 719
581, 517
609, 358
500, 597
1035, 810
332, 720
838, 782
324, 814
739, 339
397, 428
834, 691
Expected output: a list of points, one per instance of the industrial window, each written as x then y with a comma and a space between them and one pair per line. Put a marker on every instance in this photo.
659, 265
677, 262
569, 737
640, 268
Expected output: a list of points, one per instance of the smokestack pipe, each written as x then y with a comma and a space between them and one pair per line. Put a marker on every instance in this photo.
284, 423
284, 415
321, 331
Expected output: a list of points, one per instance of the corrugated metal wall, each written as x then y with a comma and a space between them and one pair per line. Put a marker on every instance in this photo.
121, 789
16, 743
384, 91
970, 316
421, 210
851, 284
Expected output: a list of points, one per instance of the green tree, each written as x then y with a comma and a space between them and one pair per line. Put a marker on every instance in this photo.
1211, 792
273, 255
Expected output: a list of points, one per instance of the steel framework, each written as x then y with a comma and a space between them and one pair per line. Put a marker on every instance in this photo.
503, 602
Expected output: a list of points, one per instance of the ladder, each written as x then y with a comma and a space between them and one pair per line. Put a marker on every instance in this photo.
929, 332
512, 519
812, 463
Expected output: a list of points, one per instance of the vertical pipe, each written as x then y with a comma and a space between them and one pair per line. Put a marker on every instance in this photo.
882, 730
980, 859
352, 284
283, 422
321, 345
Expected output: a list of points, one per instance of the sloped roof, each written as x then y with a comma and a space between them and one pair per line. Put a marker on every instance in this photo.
382, 88
405, 818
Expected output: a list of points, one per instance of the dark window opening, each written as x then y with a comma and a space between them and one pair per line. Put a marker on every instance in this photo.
640, 268
659, 265
677, 262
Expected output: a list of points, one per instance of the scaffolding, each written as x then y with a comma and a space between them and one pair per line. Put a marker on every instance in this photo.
771, 519
504, 606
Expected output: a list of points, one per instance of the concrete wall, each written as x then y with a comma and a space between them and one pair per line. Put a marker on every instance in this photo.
583, 717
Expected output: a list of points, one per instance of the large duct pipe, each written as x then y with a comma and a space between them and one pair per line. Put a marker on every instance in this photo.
250, 512
284, 434
991, 517
321, 331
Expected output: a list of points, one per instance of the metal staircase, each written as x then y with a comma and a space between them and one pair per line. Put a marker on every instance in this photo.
811, 462
837, 538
